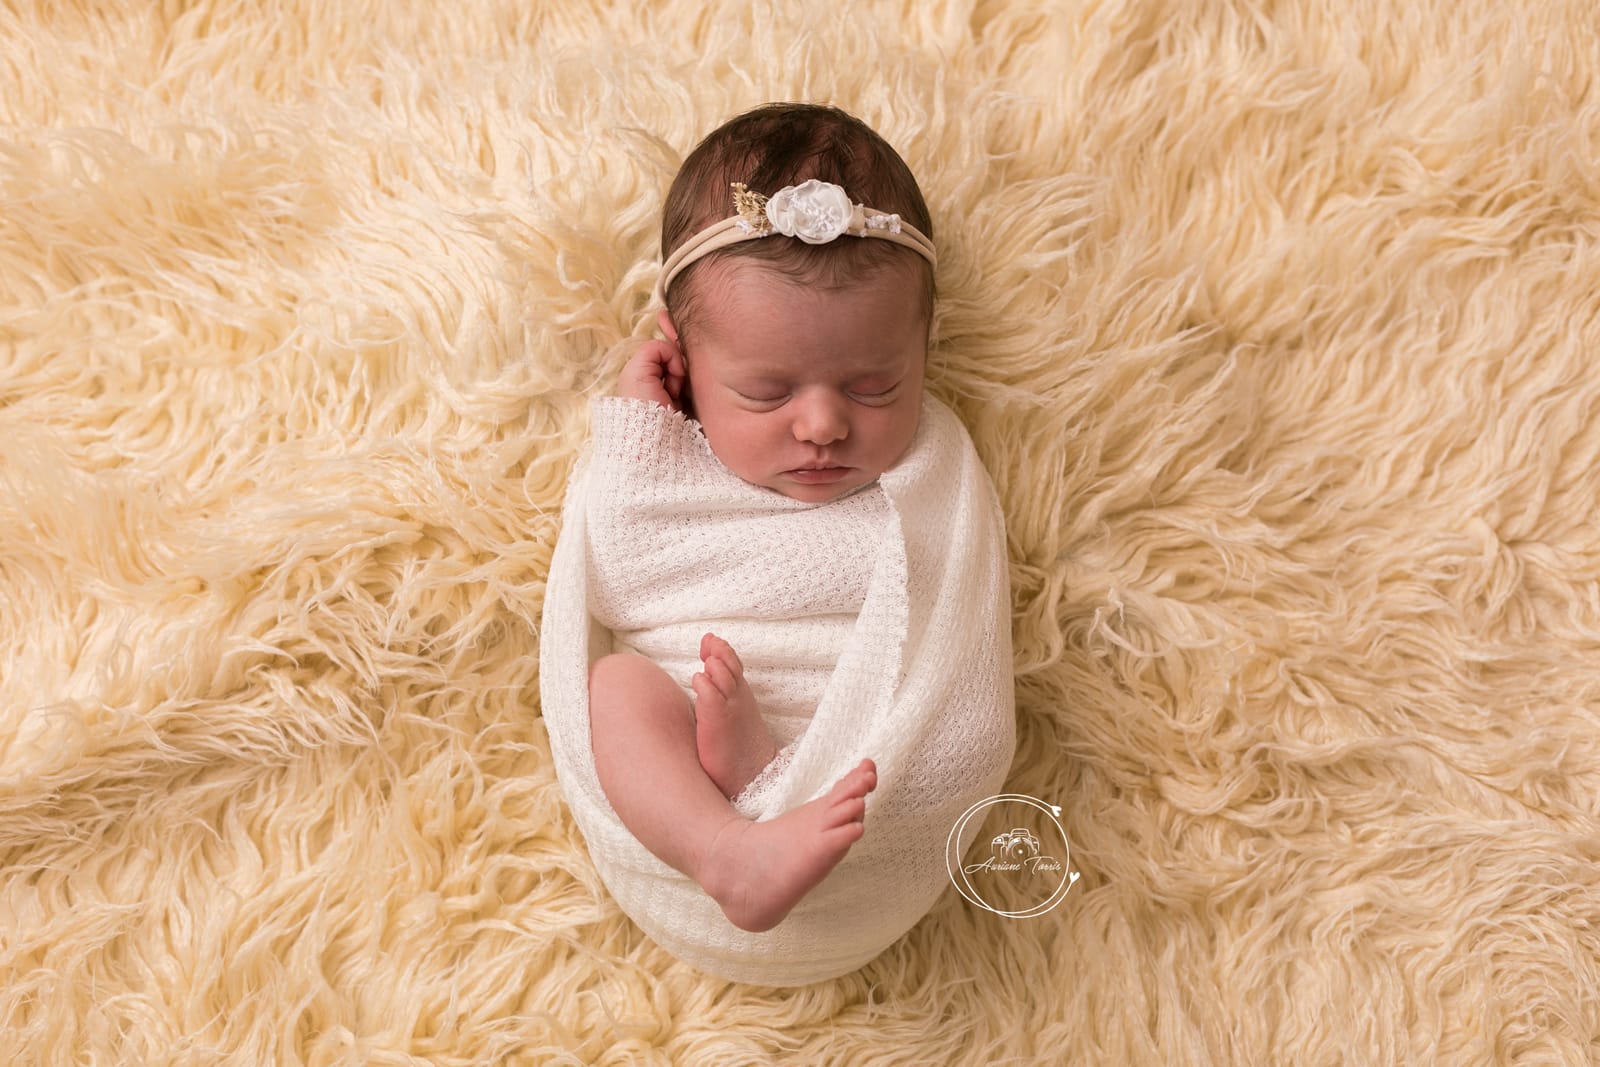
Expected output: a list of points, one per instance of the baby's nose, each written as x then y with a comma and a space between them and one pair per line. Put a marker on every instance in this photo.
821, 420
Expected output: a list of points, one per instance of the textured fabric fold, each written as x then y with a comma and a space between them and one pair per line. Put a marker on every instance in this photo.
915, 632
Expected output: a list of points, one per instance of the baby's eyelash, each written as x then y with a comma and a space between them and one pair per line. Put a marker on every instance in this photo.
855, 394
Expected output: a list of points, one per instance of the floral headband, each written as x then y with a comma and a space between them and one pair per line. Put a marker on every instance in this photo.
817, 212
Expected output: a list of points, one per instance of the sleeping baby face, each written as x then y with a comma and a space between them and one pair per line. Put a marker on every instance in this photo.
808, 391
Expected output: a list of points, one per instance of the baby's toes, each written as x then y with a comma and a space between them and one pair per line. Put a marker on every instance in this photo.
861, 780
724, 676
713, 647
706, 691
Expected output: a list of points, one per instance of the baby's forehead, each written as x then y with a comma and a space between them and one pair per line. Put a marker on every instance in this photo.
779, 368
743, 279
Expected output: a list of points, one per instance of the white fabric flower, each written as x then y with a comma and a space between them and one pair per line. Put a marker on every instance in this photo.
814, 211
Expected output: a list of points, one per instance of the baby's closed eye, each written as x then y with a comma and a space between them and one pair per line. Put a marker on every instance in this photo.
762, 397
871, 392
874, 391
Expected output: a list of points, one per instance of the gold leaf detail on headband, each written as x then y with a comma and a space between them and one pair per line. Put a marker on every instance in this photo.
751, 209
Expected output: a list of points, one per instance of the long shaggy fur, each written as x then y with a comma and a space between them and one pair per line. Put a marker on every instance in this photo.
1276, 323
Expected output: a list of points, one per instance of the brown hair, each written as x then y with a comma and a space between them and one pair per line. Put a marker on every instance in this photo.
785, 144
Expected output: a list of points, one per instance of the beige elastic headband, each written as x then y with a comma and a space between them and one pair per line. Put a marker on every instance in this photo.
816, 212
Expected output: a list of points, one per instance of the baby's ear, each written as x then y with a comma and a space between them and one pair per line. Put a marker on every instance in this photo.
665, 322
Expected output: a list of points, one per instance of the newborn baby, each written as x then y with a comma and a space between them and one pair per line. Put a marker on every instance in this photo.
735, 510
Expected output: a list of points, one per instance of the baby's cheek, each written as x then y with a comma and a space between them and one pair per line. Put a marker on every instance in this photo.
904, 433
729, 441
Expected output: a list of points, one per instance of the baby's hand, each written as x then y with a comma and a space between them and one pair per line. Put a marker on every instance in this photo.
656, 371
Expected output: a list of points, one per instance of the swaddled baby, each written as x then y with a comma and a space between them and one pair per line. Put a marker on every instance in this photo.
792, 569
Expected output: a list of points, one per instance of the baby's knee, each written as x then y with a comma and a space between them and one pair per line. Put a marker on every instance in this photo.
628, 682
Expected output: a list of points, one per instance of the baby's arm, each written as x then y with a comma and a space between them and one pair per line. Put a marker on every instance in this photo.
656, 371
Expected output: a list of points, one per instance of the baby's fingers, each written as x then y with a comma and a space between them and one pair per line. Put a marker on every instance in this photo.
651, 359
647, 377
675, 371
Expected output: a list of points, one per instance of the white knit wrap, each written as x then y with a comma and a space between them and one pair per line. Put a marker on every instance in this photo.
888, 612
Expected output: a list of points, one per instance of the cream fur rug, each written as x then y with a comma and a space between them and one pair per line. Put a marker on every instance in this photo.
1278, 325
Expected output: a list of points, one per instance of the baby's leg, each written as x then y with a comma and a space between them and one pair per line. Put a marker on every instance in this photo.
730, 735
646, 756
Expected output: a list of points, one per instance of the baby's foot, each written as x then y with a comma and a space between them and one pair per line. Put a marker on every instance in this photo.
733, 741
758, 871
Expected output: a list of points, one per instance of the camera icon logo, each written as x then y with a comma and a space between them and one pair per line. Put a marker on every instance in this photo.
1020, 862
1018, 844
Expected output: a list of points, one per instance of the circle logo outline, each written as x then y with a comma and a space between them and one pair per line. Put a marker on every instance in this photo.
958, 874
